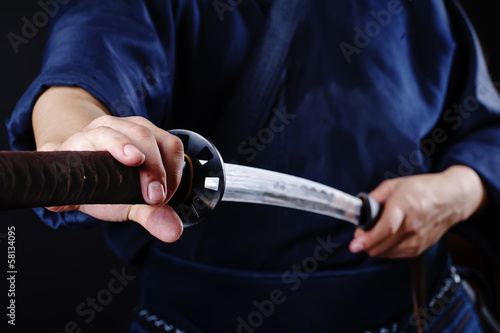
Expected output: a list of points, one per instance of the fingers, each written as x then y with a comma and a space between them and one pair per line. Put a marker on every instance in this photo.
106, 138
382, 192
416, 214
408, 247
152, 171
60, 209
392, 229
384, 235
174, 162
161, 221
172, 153
136, 141
388, 223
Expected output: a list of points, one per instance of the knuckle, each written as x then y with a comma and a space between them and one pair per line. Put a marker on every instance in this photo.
104, 120
77, 137
129, 213
389, 229
387, 182
390, 226
135, 118
98, 131
78, 141
140, 120
414, 226
176, 146
97, 134
412, 254
413, 205
140, 132
156, 166
413, 248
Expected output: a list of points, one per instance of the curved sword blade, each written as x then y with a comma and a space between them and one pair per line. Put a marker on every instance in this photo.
253, 185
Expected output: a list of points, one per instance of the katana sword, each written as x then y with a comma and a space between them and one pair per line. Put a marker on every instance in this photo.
40, 179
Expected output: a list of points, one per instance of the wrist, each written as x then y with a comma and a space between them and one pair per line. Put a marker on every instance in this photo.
60, 112
471, 192
49, 146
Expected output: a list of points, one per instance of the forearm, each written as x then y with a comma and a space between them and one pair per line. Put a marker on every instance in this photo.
60, 112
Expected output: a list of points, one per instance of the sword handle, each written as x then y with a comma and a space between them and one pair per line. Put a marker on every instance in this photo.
58, 178
371, 210
41, 179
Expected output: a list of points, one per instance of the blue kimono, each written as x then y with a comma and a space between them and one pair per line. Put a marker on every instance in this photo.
371, 90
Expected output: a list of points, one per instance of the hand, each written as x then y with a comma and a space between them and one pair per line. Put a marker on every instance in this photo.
133, 141
418, 210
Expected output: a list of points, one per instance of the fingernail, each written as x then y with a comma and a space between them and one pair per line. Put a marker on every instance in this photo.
356, 247
130, 150
156, 191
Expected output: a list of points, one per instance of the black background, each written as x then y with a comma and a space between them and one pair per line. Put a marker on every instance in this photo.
59, 269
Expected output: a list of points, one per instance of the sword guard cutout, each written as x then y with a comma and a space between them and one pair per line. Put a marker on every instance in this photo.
203, 181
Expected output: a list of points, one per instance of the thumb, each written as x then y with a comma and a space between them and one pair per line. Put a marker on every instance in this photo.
161, 221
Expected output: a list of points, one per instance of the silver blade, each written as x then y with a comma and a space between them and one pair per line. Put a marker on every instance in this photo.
253, 185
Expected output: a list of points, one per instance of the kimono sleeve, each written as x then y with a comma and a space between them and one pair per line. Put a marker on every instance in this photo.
470, 127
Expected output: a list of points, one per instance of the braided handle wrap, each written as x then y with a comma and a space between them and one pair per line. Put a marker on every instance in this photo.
59, 178
40, 179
